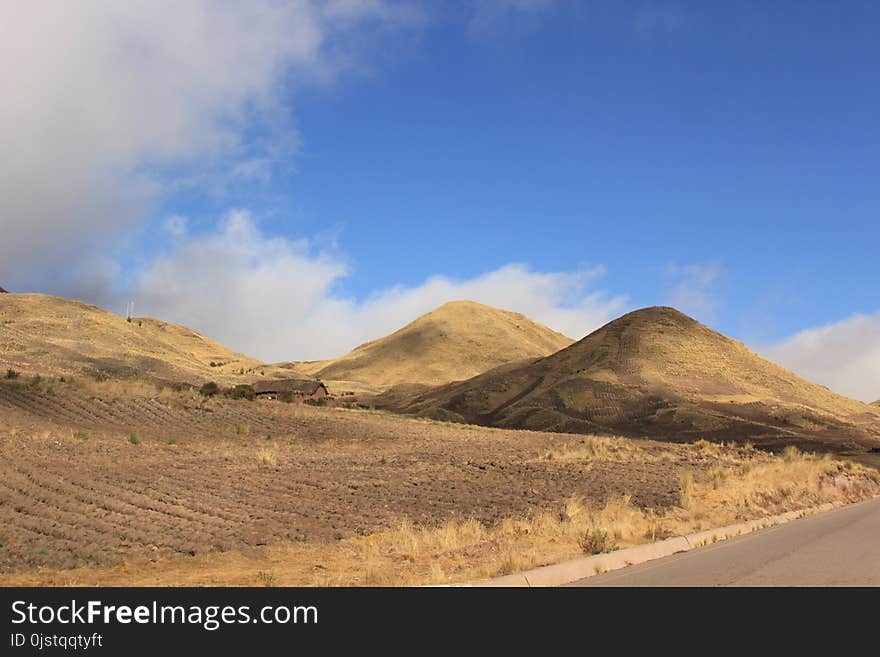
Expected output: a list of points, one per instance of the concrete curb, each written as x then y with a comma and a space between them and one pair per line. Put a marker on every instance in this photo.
570, 571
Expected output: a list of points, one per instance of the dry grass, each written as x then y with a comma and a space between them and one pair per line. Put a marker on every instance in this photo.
591, 448
267, 457
753, 485
746, 484
453, 342
702, 381
55, 336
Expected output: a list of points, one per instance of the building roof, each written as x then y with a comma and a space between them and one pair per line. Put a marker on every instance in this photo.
302, 386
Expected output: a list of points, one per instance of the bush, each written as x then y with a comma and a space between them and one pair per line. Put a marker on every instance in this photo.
34, 383
209, 389
316, 402
243, 391
596, 541
286, 397
11, 374
133, 439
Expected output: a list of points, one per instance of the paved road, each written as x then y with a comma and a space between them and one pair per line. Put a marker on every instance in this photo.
836, 548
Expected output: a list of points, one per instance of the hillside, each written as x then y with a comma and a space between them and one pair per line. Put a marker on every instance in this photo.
653, 372
52, 336
454, 342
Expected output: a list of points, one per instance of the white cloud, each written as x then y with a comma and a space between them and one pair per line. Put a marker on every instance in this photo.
844, 356
273, 298
693, 290
107, 104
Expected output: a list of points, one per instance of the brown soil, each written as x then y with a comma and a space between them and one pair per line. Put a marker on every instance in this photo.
75, 491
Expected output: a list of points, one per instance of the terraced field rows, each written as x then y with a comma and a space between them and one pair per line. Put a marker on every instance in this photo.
325, 474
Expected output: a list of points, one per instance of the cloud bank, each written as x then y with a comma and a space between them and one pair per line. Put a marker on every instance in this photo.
844, 356
118, 105
274, 298
111, 104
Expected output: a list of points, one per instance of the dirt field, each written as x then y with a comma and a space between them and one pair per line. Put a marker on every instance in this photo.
93, 476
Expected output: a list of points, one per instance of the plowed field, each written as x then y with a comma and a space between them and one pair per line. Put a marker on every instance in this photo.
98, 478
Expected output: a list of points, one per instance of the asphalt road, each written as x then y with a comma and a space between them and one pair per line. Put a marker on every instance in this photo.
836, 548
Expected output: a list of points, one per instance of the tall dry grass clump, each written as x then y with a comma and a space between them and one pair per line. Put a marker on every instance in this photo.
744, 484
588, 448
267, 457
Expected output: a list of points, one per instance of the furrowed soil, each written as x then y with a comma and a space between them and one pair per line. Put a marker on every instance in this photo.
116, 484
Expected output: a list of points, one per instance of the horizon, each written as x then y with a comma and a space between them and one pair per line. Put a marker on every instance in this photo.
337, 170
447, 303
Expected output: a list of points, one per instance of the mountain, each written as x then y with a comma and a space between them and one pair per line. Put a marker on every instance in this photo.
2, 291
52, 336
456, 341
654, 372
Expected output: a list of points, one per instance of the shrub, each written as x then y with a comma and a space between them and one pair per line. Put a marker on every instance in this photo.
81, 435
266, 578
213, 364
316, 402
11, 374
133, 439
34, 383
286, 397
267, 458
596, 541
241, 429
209, 389
243, 391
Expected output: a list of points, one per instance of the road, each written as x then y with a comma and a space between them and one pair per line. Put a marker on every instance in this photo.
836, 548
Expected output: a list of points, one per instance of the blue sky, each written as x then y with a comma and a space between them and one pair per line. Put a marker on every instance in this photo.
721, 157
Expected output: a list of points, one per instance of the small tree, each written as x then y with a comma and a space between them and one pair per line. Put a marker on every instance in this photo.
243, 391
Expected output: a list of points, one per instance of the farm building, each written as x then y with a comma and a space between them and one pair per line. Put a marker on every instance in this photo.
298, 388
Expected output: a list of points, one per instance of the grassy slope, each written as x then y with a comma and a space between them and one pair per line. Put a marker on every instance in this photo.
454, 342
55, 336
653, 371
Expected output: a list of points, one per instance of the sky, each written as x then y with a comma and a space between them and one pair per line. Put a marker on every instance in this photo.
295, 178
